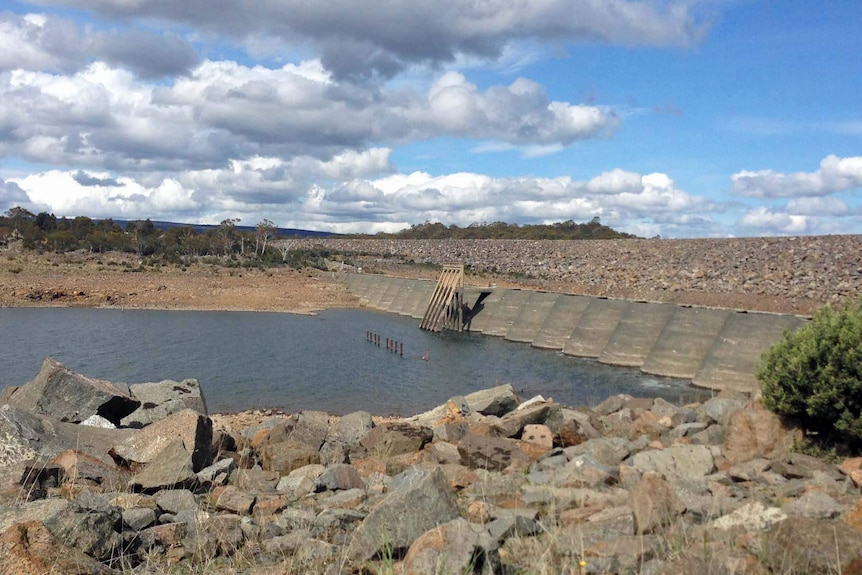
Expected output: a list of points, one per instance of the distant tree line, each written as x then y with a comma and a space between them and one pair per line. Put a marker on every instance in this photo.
568, 230
46, 232
177, 243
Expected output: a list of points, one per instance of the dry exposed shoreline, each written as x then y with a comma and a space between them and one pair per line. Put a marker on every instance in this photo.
781, 275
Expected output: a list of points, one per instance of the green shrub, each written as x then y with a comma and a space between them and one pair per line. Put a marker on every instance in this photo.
815, 374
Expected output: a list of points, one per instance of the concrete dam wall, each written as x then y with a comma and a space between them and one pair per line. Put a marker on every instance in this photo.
714, 348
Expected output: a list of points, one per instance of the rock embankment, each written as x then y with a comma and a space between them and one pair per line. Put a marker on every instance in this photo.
486, 483
785, 275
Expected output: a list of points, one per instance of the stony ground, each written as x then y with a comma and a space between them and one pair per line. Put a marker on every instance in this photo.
782, 275
485, 484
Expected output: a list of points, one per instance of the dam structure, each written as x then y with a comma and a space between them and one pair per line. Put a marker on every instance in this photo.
713, 348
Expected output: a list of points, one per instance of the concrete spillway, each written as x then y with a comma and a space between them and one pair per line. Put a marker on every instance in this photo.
714, 348
532, 316
598, 322
636, 333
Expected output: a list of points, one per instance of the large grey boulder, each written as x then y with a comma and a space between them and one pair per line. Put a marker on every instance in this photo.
24, 435
454, 547
170, 467
396, 438
607, 450
754, 432
30, 547
812, 546
94, 532
68, 396
192, 428
676, 463
309, 428
491, 453
161, 399
498, 400
654, 504
403, 516
287, 456
513, 423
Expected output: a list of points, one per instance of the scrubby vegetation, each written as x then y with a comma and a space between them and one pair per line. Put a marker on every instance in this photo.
568, 230
238, 246
227, 243
814, 374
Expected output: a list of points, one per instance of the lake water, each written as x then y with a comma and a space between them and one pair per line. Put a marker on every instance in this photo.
249, 360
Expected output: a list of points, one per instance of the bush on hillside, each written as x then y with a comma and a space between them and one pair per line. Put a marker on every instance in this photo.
815, 374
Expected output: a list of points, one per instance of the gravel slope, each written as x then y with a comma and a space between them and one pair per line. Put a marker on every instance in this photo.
783, 275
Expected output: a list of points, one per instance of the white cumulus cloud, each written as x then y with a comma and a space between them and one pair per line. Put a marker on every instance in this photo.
835, 175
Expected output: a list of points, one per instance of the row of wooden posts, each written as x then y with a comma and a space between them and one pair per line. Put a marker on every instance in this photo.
391, 344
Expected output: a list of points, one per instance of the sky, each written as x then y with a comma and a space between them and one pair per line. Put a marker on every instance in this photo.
671, 118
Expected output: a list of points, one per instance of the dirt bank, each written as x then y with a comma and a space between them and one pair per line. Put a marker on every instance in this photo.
109, 280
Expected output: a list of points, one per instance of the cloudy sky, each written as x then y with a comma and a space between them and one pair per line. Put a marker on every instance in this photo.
679, 118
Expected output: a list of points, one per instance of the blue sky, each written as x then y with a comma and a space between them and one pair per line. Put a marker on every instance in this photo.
678, 118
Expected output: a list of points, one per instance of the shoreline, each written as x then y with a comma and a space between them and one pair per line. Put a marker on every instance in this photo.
788, 275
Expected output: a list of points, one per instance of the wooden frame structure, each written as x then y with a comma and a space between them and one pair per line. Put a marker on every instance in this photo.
446, 307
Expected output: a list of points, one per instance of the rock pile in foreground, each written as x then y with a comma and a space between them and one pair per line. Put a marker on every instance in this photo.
98, 478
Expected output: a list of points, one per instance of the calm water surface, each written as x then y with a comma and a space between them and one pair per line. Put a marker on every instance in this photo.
292, 362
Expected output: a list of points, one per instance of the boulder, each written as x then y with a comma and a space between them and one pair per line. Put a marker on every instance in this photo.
307, 427
286, 456
352, 428
161, 399
453, 411
255, 479
454, 547
509, 523
544, 413
233, 499
584, 471
607, 450
68, 396
138, 518
24, 434
814, 505
339, 477
576, 428
676, 463
754, 516
193, 429
93, 531
491, 453
6, 393
78, 467
217, 473
498, 400
756, 432
395, 438
402, 516
612, 404
175, 500
719, 409
812, 546
654, 504
295, 486
616, 522
30, 547
171, 467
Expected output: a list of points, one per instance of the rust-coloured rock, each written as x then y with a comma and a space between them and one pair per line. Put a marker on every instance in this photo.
755, 432
29, 548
